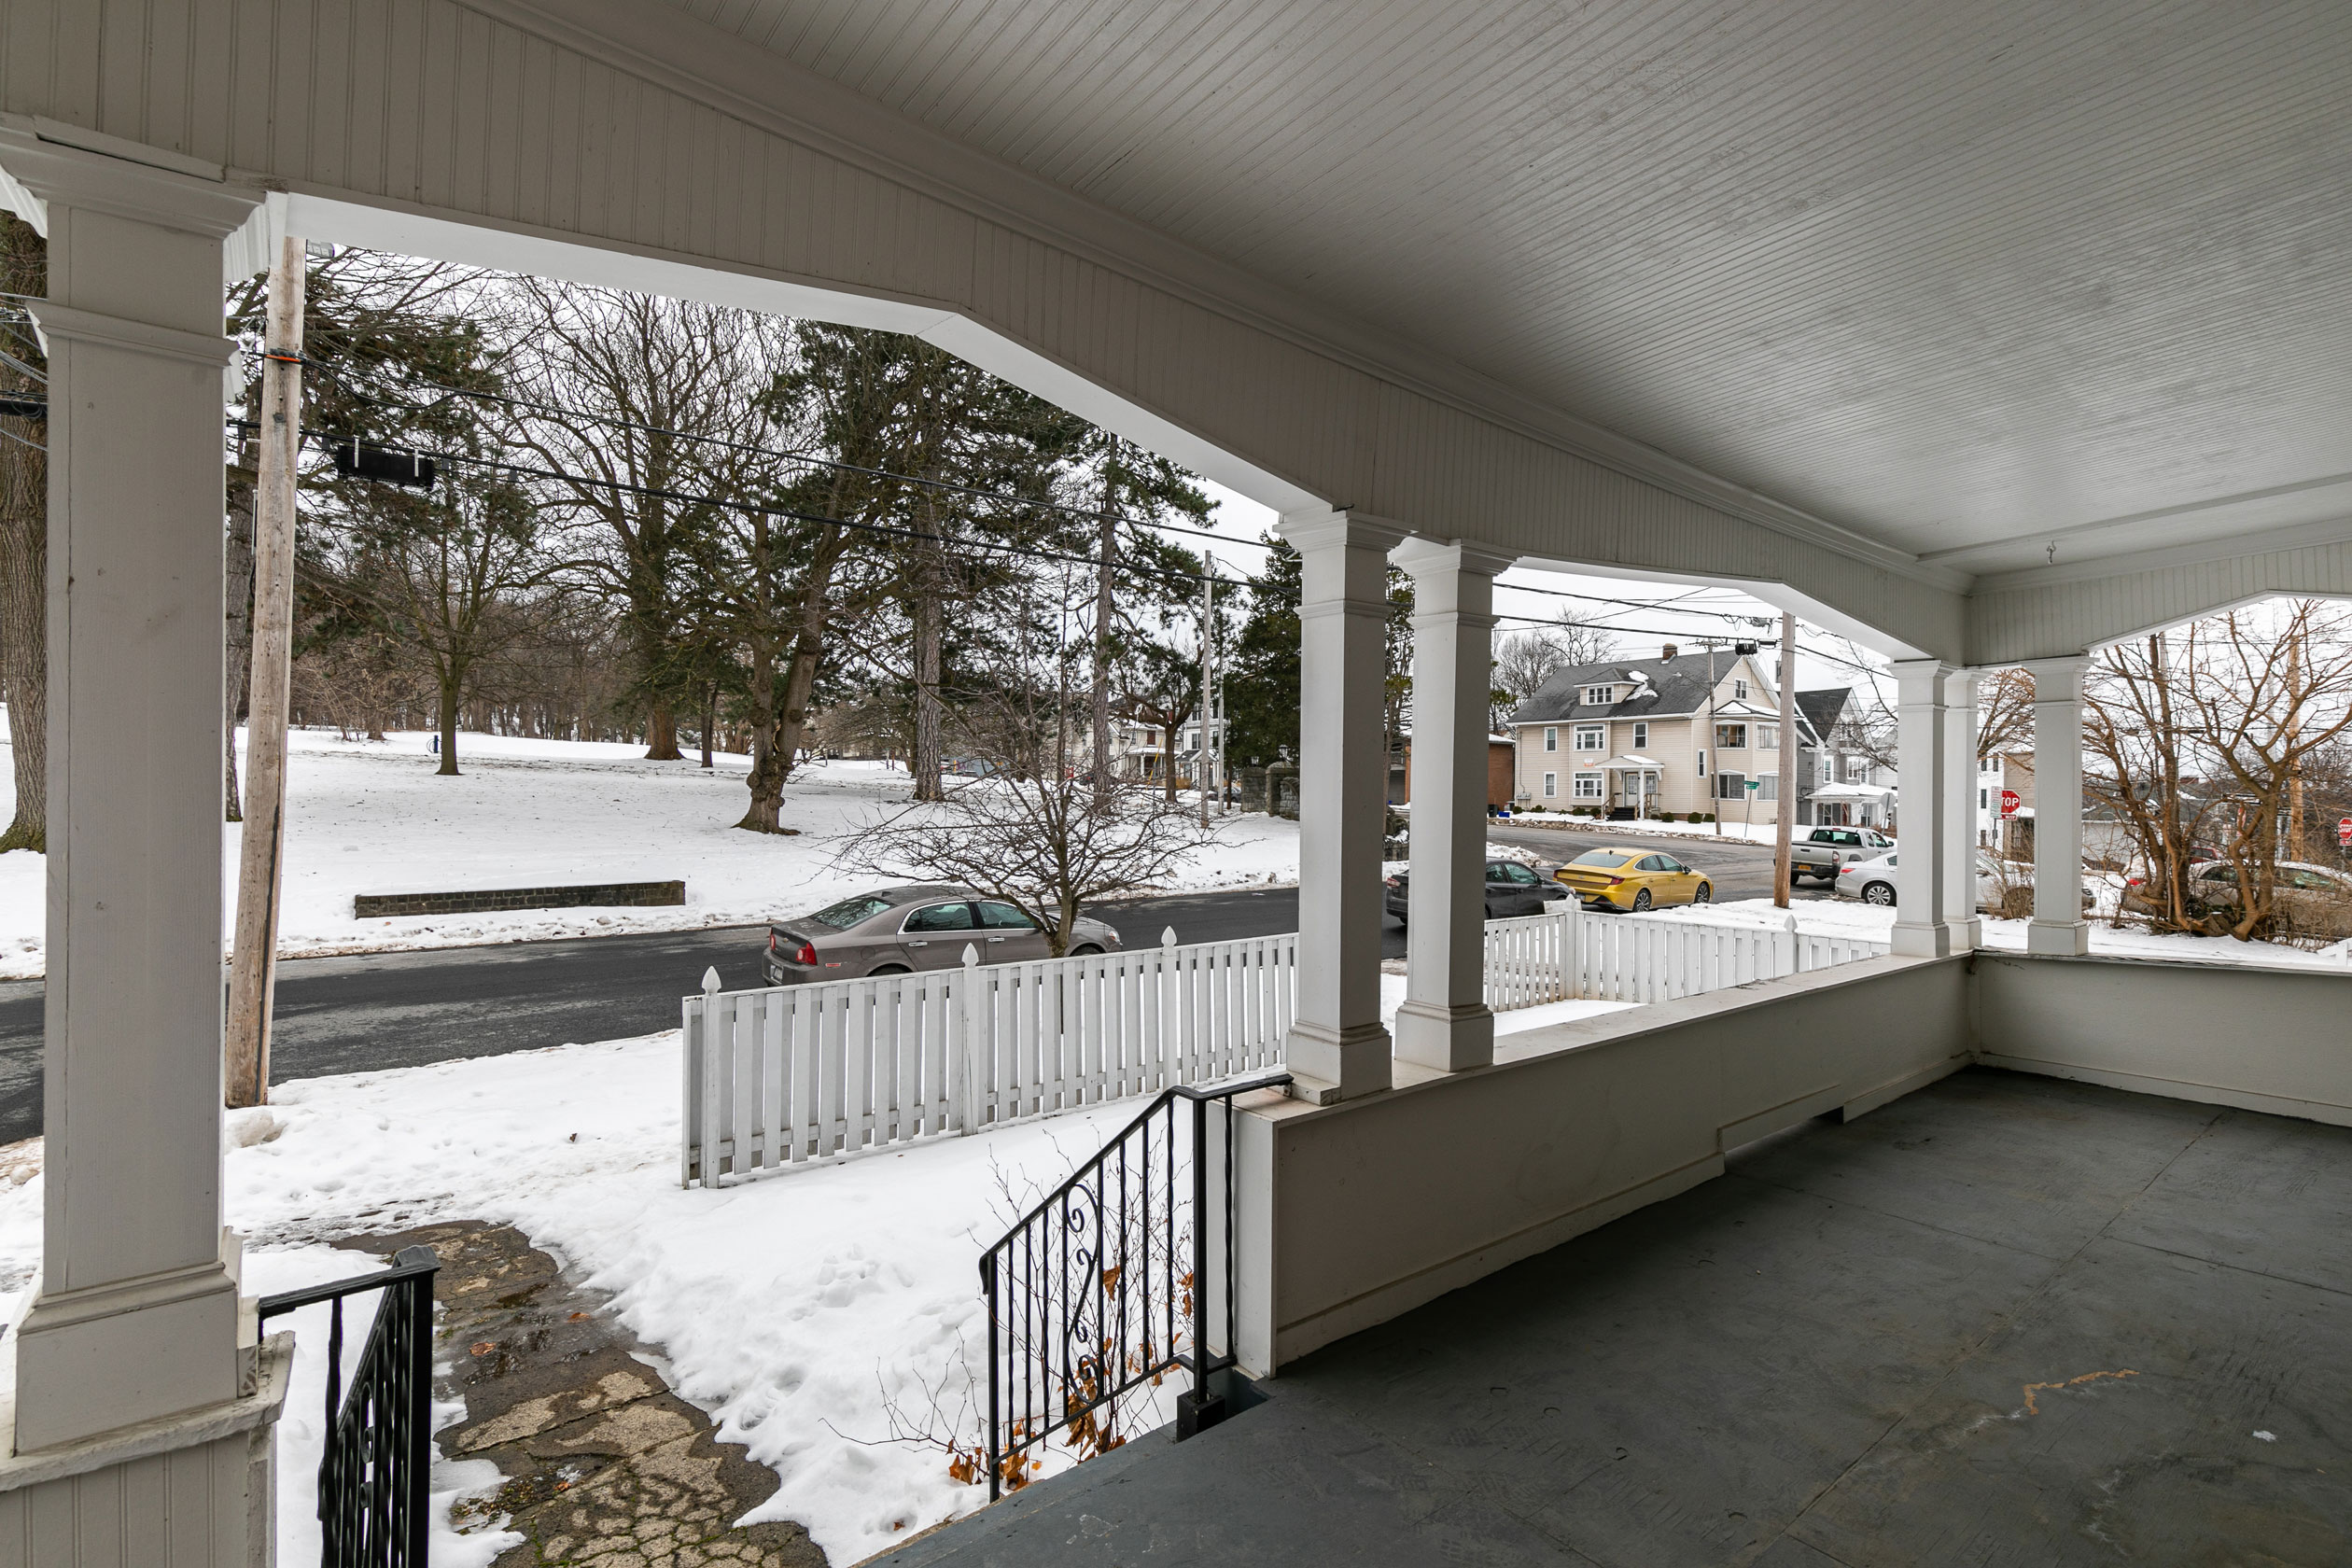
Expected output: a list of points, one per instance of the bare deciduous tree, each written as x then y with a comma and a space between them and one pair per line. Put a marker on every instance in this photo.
1047, 845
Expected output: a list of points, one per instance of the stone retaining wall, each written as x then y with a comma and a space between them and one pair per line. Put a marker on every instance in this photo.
630, 895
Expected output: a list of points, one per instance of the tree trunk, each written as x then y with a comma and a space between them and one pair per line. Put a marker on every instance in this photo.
240, 638
660, 733
925, 763
767, 774
709, 718
451, 689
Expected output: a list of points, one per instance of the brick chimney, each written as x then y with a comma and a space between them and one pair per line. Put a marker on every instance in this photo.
1671, 650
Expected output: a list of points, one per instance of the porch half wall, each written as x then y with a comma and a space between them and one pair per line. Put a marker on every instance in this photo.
2270, 1040
1350, 1214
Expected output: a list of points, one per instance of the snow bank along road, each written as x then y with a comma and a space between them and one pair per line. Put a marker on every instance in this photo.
382, 1010
405, 1008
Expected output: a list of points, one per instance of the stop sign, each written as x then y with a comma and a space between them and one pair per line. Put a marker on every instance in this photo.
2011, 801
2344, 831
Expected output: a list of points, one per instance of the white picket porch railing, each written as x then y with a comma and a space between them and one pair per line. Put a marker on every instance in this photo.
788, 1074
1572, 955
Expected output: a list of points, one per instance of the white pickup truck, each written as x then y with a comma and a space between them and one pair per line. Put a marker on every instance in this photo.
1820, 851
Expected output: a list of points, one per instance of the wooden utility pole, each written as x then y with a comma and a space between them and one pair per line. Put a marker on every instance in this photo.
1707, 748
1208, 661
253, 968
1784, 809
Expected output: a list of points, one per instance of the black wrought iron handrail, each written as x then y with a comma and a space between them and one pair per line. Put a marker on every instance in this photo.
374, 1478
1086, 1293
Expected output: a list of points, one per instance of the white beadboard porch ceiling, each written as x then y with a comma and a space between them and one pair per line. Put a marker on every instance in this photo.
1973, 277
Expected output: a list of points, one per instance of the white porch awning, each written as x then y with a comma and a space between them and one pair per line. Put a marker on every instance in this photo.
1634, 764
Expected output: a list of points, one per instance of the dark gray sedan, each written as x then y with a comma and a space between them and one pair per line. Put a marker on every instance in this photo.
1511, 889
896, 930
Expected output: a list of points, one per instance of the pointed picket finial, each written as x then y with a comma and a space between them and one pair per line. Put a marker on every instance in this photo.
971, 955
710, 981
1168, 937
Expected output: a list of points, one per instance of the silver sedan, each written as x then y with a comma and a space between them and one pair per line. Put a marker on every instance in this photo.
897, 930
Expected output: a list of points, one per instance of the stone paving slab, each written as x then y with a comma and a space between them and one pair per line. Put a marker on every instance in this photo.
605, 1467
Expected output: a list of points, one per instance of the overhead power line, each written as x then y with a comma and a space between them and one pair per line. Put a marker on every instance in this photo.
1092, 514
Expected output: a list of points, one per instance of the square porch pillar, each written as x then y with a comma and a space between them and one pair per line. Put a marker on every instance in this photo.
2058, 927
1336, 1048
1935, 877
1959, 817
1444, 1023
136, 1317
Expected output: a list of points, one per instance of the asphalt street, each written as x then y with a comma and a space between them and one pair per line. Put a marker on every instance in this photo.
380, 1010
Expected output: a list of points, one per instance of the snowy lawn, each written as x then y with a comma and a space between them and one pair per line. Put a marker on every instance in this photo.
799, 1309
374, 817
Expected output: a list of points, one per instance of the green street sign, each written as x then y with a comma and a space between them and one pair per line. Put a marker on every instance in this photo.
1754, 785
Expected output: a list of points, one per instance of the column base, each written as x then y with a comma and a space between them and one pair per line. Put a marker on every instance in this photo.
198, 1488
2061, 939
129, 1350
1922, 939
1330, 1065
1447, 1039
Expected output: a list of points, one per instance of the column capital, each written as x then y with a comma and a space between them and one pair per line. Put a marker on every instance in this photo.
1428, 557
2058, 680
1346, 529
47, 161
1923, 681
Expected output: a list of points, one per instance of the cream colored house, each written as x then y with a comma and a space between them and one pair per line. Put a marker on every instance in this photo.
1677, 734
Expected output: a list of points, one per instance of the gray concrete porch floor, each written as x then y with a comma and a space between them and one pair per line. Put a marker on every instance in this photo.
2004, 1320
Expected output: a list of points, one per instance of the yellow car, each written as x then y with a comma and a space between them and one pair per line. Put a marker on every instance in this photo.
1634, 879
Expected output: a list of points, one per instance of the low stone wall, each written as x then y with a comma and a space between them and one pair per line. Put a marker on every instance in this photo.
623, 895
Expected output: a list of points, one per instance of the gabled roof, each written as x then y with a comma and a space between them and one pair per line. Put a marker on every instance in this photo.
1677, 689
1823, 708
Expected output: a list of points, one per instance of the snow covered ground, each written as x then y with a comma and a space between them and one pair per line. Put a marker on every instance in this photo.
374, 817
1827, 916
804, 1310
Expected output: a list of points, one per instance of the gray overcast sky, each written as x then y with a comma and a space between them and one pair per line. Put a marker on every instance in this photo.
1244, 522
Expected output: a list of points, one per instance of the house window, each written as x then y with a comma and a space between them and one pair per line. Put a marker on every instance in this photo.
1730, 786
1641, 737
1739, 691
1588, 786
1551, 785
1826, 769
1599, 696
1592, 738
1703, 764
1768, 737
1551, 737
1730, 737
1767, 786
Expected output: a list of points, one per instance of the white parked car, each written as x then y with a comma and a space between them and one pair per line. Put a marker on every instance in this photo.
1874, 881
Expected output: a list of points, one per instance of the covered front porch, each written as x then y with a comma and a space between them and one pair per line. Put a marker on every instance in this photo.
2008, 1317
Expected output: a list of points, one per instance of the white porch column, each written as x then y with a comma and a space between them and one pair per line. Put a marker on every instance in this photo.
1444, 1022
1958, 816
2058, 925
1934, 794
136, 1317
1336, 1048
